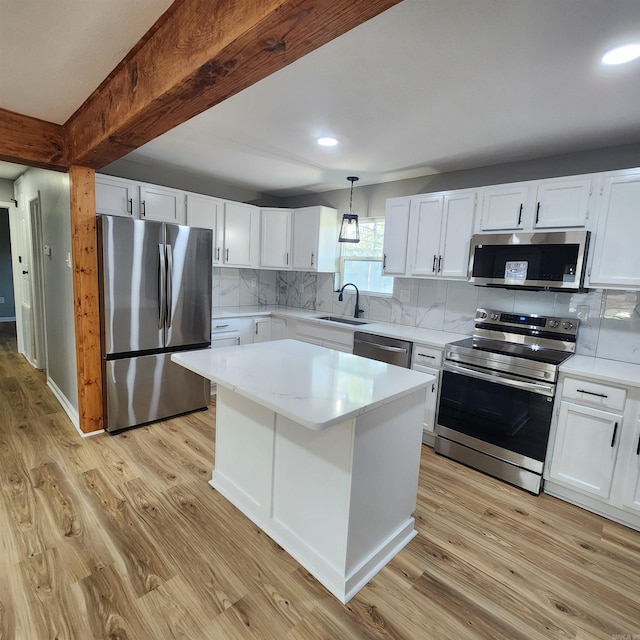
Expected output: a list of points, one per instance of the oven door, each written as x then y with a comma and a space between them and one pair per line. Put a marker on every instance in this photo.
507, 417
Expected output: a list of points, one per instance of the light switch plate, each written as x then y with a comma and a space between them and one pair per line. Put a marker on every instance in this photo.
405, 295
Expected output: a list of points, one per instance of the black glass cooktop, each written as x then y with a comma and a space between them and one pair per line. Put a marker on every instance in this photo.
528, 352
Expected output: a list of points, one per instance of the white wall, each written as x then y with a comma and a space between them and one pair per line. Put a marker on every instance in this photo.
58, 283
6, 190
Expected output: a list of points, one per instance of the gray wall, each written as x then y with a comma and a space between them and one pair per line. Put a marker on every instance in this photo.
8, 307
6, 190
58, 284
370, 200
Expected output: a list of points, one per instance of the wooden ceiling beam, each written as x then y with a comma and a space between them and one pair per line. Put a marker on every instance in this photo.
199, 53
30, 141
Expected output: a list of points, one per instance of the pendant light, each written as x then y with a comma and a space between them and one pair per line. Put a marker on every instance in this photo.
349, 230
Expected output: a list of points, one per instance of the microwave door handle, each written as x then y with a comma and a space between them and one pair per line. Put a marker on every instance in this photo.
535, 387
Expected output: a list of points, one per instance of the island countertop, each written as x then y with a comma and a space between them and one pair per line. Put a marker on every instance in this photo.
314, 386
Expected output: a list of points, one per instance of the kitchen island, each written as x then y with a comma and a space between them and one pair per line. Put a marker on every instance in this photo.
321, 449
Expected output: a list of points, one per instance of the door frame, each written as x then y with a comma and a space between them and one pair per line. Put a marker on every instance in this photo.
12, 207
38, 299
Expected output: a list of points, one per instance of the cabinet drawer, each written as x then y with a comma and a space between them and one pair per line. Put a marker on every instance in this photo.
426, 356
594, 393
322, 334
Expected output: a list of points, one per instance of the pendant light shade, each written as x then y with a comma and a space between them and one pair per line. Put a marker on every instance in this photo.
349, 230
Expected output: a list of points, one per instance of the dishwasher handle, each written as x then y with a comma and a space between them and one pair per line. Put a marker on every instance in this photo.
382, 347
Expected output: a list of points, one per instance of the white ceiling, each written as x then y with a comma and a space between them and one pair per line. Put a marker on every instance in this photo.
428, 86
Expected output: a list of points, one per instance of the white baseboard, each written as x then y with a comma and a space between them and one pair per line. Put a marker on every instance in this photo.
69, 409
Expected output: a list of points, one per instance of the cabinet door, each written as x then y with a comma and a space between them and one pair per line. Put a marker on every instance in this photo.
262, 329
116, 197
503, 207
275, 240
631, 496
305, 239
396, 228
431, 402
204, 212
424, 257
457, 229
562, 204
616, 259
585, 448
162, 204
278, 329
241, 234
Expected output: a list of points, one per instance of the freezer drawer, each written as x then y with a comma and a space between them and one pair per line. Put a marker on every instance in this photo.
149, 388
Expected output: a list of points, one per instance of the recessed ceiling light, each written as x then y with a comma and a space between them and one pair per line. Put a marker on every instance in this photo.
620, 55
327, 142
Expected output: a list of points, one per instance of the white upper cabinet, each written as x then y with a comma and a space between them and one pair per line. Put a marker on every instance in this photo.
440, 230
116, 196
208, 213
396, 230
503, 207
616, 258
275, 238
162, 204
240, 235
315, 239
562, 203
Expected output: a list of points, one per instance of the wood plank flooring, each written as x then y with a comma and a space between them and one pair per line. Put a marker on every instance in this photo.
122, 537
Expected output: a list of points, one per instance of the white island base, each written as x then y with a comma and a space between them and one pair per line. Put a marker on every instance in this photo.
339, 500
321, 449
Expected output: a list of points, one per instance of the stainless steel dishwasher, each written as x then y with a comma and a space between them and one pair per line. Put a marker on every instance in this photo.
390, 350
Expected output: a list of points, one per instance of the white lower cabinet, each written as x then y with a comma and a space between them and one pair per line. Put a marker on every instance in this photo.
262, 329
324, 336
428, 359
278, 328
594, 448
586, 448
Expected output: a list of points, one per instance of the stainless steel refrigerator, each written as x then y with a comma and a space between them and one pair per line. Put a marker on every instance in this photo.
155, 296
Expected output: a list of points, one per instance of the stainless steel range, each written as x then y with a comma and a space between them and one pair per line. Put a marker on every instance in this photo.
497, 391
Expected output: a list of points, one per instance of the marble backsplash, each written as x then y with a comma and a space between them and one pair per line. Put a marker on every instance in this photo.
609, 320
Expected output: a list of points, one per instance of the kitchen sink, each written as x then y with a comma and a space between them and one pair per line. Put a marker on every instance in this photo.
343, 320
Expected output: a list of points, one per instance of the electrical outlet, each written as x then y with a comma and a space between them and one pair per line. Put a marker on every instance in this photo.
254, 283
300, 288
405, 295
1, 300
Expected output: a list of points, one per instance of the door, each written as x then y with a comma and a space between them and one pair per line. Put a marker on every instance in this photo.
37, 284
305, 239
631, 496
188, 295
207, 213
129, 257
424, 235
396, 231
456, 235
503, 207
562, 203
241, 224
262, 329
275, 245
585, 448
162, 204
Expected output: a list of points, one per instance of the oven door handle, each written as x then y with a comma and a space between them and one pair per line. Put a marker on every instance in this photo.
535, 387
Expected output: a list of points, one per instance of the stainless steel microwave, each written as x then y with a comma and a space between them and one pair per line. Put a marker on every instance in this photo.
554, 261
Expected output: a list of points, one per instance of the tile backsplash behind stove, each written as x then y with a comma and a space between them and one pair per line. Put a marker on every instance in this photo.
609, 319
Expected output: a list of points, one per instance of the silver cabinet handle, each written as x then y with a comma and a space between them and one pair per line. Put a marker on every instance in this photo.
130, 205
439, 264
143, 208
426, 355
433, 266
520, 215
312, 257
638, 447
227, 256
384, 260
615, 430
287, 258
221, 326
217, 254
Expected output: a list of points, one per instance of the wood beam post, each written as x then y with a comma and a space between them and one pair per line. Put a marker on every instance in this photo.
30, 141
86, 297
199, 53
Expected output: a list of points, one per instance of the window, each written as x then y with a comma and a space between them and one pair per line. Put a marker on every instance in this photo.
361, 263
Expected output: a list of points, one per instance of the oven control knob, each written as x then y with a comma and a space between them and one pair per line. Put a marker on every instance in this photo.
483, 315
494, 316
553, 324
567, 325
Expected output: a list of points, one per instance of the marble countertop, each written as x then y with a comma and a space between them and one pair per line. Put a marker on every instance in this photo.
603, 370
414, 334
313, 386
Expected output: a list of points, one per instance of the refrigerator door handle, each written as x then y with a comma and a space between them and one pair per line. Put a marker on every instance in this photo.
162, 278
169, 284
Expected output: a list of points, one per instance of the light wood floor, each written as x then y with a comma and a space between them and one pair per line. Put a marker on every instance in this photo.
122, 537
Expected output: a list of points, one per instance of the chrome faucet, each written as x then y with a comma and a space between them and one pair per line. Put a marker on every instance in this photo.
357, 310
